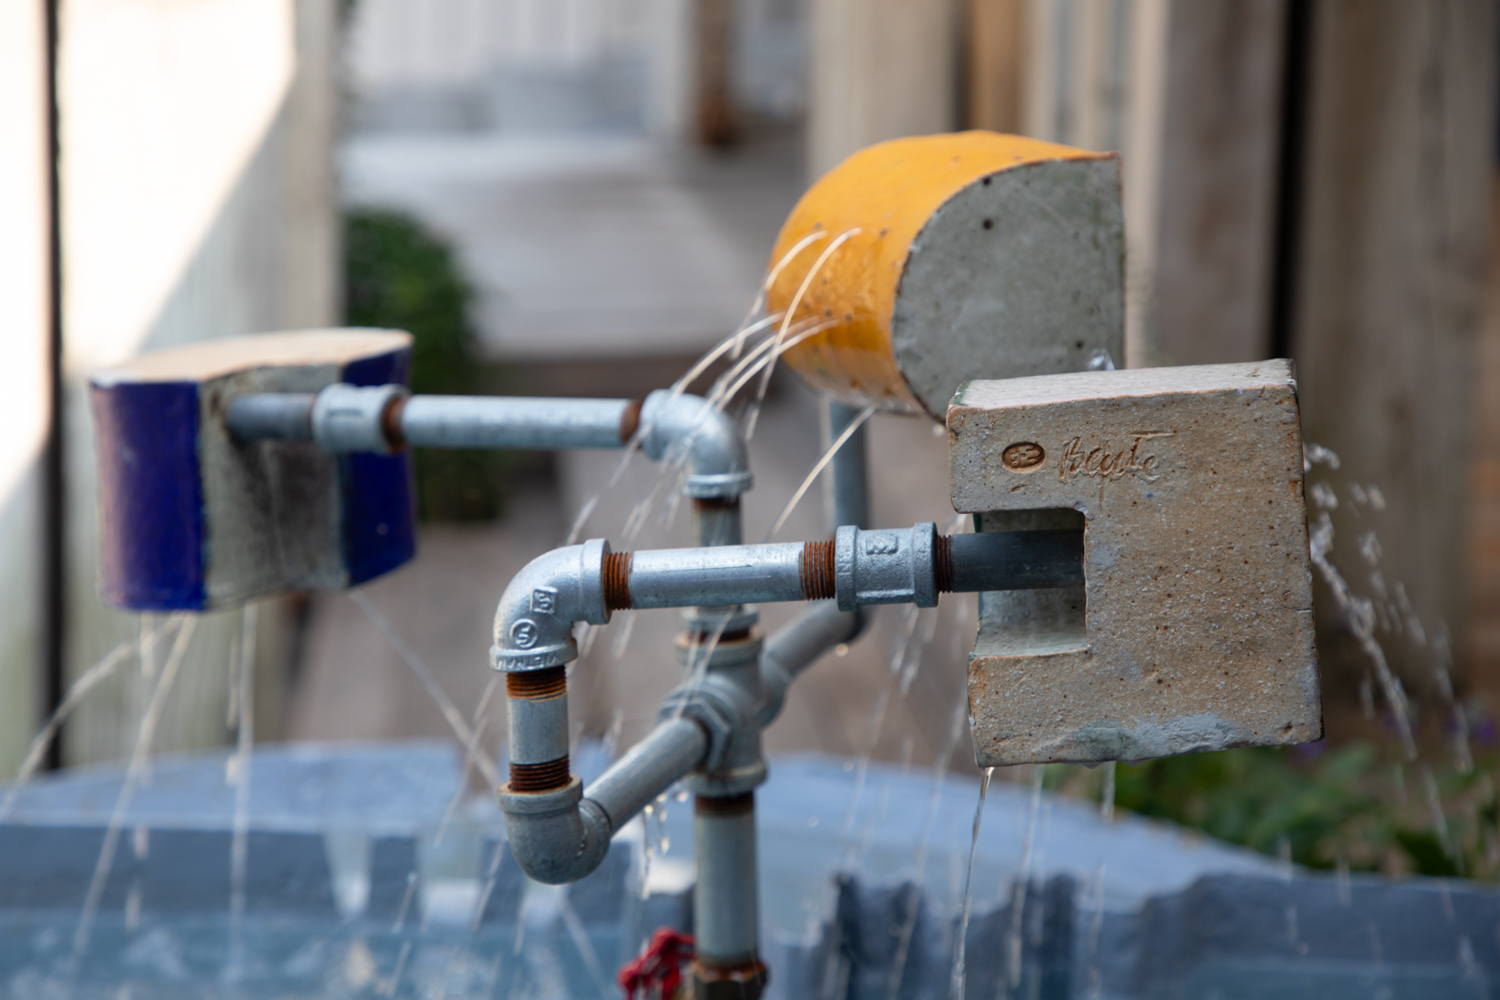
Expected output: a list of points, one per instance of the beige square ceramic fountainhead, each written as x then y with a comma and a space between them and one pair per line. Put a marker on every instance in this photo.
1193, 629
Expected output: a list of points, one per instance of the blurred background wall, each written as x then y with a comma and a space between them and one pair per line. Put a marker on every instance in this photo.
1311, 178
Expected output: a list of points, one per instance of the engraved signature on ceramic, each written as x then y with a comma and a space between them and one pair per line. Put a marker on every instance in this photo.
1103, 463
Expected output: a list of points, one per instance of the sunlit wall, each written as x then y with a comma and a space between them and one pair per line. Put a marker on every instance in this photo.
197, 202
23, 373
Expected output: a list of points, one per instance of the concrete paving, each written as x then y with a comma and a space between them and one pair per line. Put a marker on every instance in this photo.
588, 244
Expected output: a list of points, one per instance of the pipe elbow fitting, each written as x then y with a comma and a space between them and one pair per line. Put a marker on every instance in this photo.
558, 836
534, 621
685, 428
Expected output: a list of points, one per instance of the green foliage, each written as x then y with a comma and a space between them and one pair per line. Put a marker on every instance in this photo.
399, 275
1351, 806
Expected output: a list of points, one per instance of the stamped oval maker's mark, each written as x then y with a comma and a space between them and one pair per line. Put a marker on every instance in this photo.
1023, 456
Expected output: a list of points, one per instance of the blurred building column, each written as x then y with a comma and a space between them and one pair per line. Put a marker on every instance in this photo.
1389, 288
880, 69
1189, 93
718, 119
996, 53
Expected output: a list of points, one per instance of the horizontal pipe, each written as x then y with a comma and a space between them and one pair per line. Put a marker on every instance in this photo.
1017, 560
720, 575
537, 612
649, 768
515, 422
271, 416
671, 427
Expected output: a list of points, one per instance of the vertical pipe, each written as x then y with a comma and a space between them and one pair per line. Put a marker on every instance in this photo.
54, 496
726, 911
537, 713
716, 521
847, 496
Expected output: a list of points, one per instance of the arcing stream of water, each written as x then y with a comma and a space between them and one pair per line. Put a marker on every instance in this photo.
139, 761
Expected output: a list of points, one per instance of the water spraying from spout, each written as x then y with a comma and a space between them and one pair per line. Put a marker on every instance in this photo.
450, 712
133, 773
956, 984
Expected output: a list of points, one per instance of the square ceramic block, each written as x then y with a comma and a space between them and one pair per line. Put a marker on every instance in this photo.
191, 519
1193, 629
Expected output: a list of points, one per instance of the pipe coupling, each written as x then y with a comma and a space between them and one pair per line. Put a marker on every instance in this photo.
535, 618
354, 418
556, 836
887, 566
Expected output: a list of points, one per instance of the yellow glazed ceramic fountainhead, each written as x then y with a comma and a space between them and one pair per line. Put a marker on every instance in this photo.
925, 262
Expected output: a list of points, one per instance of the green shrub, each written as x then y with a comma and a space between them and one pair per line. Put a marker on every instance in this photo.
399, 275
1356, 805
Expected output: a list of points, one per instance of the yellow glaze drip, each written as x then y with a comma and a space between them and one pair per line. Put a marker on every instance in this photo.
887, 192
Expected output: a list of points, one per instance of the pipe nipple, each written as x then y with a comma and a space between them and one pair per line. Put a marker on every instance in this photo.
942, 563
616, 581
528, 779
534, 685
819, 582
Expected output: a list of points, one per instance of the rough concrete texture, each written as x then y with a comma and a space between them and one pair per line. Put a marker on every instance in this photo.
1194, 630
1020, 273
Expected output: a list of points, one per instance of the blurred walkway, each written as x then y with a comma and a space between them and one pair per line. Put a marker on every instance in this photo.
589, 244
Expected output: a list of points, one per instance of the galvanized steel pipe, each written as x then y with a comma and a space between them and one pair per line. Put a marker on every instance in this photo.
534, 622
722, 575
271, 416
848, 498
515, 422
669, 426
726, 910
653, 765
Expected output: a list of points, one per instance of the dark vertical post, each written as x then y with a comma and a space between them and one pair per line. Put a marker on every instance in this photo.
713, 36
53, 494
1296, 73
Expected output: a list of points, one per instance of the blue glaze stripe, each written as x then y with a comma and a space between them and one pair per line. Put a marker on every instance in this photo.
150, 495
379, 512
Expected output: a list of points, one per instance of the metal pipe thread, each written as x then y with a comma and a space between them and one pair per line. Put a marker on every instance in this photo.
818, 579
630, 421
545, 777
537, 684
390, 423
616, 581
942, 563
